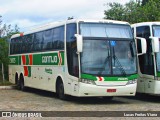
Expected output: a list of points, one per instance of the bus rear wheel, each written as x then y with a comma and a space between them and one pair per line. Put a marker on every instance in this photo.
21, 83
16, 80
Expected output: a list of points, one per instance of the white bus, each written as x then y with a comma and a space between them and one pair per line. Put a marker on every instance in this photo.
149, 63
77, 58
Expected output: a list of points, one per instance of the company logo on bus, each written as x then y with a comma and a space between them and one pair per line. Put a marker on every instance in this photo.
12, 60
122, 78
49, 59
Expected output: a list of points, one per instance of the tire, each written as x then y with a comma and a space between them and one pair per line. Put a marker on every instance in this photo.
17, 81
60, 91
21, 83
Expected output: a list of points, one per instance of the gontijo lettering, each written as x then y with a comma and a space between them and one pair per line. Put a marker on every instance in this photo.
49, 59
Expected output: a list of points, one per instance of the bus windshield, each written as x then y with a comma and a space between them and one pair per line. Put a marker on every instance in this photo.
156, 33
108, 50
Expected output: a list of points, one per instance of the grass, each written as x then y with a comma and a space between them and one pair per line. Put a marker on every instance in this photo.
5, 83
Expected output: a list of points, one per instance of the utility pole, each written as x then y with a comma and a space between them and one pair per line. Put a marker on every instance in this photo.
3, 72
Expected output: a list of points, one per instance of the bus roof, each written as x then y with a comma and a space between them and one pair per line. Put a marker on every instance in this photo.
145, 23
56, 24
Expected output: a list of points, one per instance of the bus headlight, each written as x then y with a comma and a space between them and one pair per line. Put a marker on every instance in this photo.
87, 81
132, 81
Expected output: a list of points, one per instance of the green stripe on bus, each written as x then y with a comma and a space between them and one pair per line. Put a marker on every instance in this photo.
40, 59
19, 60
37, 59
62, 54
14, 60
87, 76
27, 59
92, 77
158, 74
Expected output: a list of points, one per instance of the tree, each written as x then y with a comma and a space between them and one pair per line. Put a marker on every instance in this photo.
7, 30
122, 12
4, 55
133, 12
144, 2
5, 33
116, 12
151, 10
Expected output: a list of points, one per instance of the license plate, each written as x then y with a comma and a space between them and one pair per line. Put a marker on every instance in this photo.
111, 90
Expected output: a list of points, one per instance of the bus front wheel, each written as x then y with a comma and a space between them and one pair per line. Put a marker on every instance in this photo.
60, 90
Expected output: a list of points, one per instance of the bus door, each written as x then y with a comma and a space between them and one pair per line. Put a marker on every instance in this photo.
72, 58
146, 61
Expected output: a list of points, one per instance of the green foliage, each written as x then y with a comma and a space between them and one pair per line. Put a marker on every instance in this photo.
3, 51
116, 12
5, 33
5, 83
144, 2
4, 55
151, 10
133, 12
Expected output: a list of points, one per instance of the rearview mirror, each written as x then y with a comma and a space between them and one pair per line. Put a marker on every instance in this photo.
141, 45
155, 44
79, 39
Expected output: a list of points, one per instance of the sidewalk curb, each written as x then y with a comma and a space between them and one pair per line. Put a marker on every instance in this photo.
7, 87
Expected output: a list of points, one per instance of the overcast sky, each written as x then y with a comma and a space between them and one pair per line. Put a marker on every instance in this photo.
30, 13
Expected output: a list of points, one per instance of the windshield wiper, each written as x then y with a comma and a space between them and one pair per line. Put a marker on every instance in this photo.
121, 68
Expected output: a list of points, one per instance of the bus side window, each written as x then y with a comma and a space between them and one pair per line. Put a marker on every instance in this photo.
24, 46
12, 46
17, 45
38, 41
29, 40
58, 38
48, 39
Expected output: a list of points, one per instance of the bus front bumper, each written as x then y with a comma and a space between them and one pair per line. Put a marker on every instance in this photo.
88, 90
